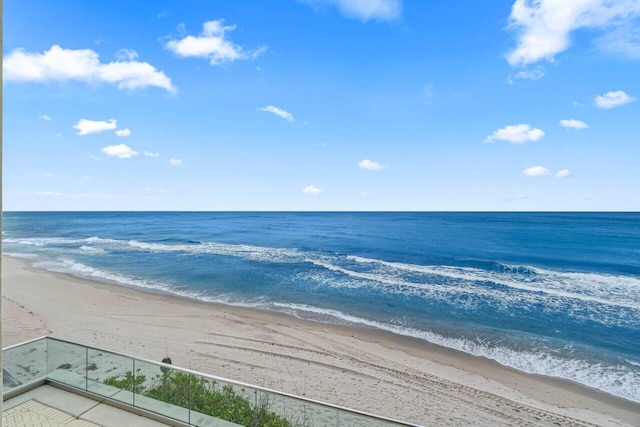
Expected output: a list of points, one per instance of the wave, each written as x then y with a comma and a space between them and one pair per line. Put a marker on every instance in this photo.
594, 297
21, 255
43, 241
74, 268
92, 250
614, 379
256, 253
619, 291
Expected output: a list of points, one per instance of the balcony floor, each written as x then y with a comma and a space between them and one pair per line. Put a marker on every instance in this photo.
50, 406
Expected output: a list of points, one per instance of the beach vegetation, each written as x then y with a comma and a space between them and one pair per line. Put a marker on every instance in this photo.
204, 396
130, 382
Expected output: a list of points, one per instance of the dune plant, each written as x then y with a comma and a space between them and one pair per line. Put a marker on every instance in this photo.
129, 382
204, 396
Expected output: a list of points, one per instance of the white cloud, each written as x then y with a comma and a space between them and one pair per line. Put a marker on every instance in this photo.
123, 132
371, 165
126, 55
310, 189
544, 26
613, 99
563, 173
623, 40
48, 193
364, 10
150, 154
516, 134
58, 64
278, 112
120, 151
573, 124
212, 44
85, 127
45, 117
535, 74
175, 162
536, 171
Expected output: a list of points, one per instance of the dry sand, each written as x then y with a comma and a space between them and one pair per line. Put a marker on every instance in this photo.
360, 368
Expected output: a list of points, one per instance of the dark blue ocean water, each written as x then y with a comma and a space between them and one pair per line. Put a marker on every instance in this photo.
549, 293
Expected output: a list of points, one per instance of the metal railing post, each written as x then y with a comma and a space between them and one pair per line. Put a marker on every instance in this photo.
133, 386
86, 369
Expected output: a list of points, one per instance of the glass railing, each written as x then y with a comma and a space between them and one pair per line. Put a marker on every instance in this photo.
180, 394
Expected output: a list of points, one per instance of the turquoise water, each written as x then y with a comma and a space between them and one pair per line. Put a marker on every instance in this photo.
556, 294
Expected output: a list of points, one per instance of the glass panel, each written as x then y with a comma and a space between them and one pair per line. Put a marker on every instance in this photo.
111, 376
162, 390
224, 404
284, 411
220, 403
66, 363
351, 419
24, 364
296, 412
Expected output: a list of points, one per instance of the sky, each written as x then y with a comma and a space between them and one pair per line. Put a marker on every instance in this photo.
322, 105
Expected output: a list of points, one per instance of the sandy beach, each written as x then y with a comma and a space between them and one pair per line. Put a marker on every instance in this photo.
360, 368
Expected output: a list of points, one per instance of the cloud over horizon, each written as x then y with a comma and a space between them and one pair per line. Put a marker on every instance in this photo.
48, 193
544, 27
120, 151
59, 64
371, 165
212, 45
310, 189
516, 134
536, 171
86, 127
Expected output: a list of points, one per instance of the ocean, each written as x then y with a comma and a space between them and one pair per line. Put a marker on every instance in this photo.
555, 294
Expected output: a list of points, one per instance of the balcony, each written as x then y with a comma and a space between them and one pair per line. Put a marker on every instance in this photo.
48, 374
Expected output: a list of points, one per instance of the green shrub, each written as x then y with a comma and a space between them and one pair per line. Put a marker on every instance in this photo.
129, 382
203, 396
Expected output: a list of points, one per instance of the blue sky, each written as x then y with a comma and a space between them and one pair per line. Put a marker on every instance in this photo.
321, 105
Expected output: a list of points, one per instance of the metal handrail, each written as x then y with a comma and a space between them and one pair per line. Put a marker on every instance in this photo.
27, 342
226, 380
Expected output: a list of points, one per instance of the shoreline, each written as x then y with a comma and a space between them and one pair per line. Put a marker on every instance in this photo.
402, 377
